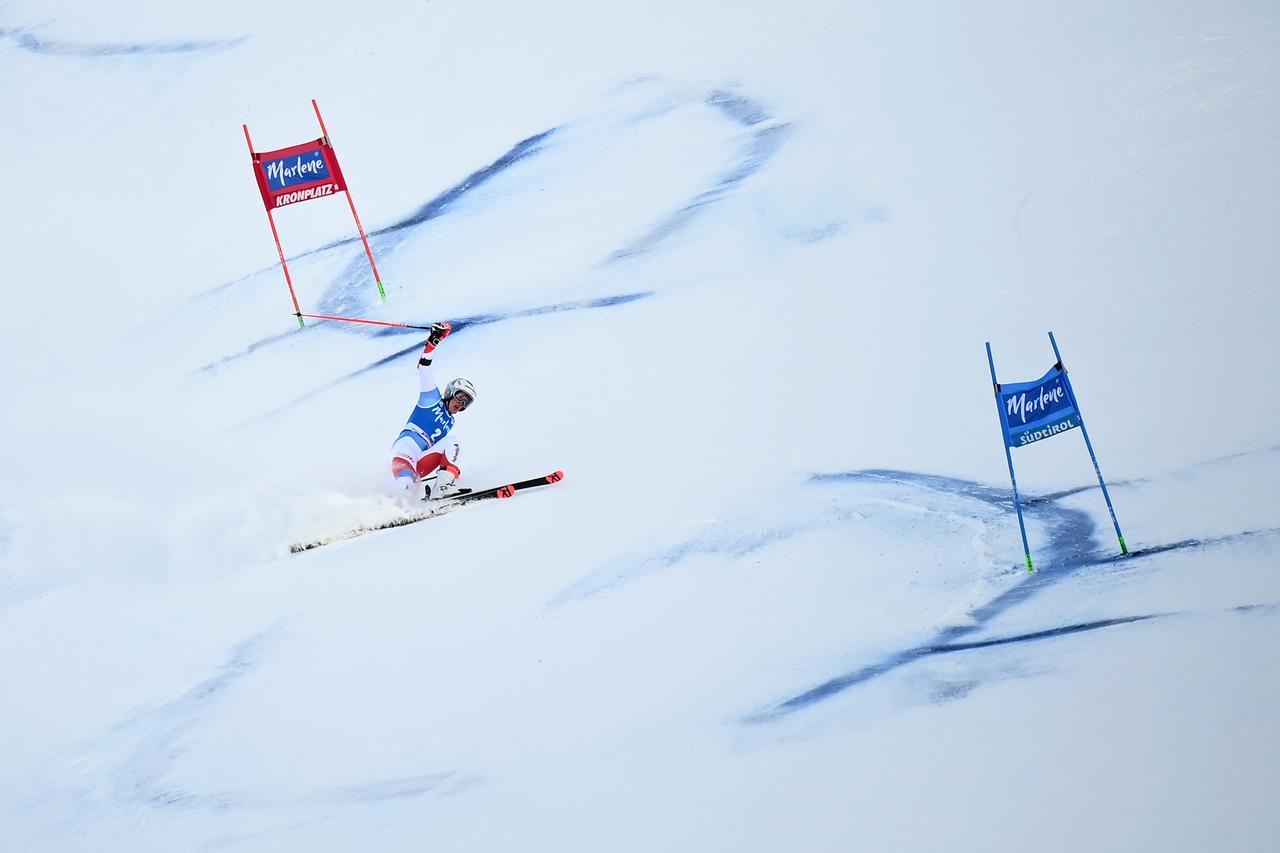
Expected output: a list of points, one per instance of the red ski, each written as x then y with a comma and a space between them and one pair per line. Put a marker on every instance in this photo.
435, 508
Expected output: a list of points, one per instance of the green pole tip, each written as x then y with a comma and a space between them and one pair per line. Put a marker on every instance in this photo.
1124, 549
1030, 568
382, 293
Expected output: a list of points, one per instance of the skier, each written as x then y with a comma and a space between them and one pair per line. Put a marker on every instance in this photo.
425, 454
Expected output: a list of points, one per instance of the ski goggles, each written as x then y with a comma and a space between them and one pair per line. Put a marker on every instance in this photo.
463, 398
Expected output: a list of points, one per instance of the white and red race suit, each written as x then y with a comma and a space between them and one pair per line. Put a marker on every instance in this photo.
427, 442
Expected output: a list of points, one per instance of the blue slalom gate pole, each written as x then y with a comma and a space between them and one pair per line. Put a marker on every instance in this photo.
1124, 549
1017, 504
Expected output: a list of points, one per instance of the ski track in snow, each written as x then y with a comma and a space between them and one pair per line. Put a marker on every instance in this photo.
753, 156
1071, 547
458, 325
126, 766
762, 146
1073, 528
730, 539
904, 658
24, 38
391, 236
344, 291
347, 291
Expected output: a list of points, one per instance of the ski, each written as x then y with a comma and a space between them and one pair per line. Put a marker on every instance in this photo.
500, 492
434, 508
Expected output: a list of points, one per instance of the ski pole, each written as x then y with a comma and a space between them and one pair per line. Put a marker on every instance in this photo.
300, 315
1071, 395
382, 293
288, 279
1017, 503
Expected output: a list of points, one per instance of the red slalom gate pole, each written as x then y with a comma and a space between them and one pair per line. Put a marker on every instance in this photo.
297, 311
370, 322
377, 278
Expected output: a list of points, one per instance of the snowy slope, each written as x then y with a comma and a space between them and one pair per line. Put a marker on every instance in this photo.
730, 267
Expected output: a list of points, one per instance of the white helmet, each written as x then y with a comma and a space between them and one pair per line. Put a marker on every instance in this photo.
460, 385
